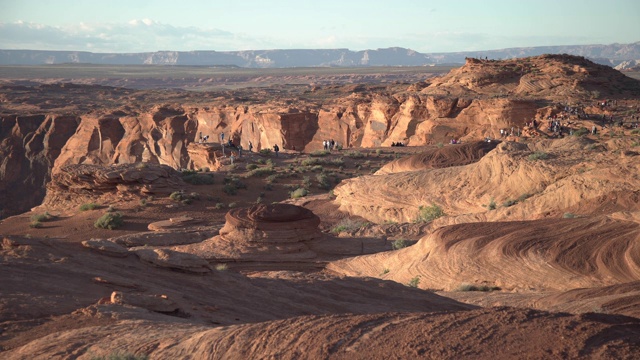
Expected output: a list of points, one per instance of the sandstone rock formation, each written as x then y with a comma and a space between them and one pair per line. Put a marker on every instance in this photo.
106, 247
507, 175
262, 232
553, 254
75, 182
461, 154
173, 260
49, 132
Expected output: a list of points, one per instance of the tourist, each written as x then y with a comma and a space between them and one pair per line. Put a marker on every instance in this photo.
276, 149
250, 147
239, 151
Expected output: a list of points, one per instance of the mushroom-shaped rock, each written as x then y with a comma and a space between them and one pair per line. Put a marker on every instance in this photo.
174, 260
106, 247
276, 232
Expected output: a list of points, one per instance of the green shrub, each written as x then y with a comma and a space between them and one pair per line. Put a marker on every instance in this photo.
317, 168
251, 166
347, 225
414, 282
509, 202
298, 193
232, 204
176, 196
492, 204
109, 221
262, 171
378, 152
198, 179
568, 216
265, 151
581, 132
310, 162
538, 155
399, 244
337, 162
219, 205
35, 224
230, 189
323, 181
41, 217
306, 182
429, 213
354, 154
319, 153
635, 131
88, 206
440, 145
471, 287
524, 197
111, 209
120, 356
222, 267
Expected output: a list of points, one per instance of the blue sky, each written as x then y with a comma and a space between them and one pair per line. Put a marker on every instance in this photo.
421, 25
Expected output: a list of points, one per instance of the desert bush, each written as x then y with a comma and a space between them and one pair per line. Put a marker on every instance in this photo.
88, 206
306, 182
232, 205
222, 267
143, 202
429, 213
347, 225
317, 168
109, 221
337, 162
310, 162
471, 287
219, 205
141, 165
265, 152
568, 215
298, 193
323, 181
110, 209
414, 282
492, 204
378, 152
581, 132
440, 145
121, 356
251, 166
176, 196
261, 161
230, 189
35, 224
41, 217
385, 271
524, 197
509, 202
399, 244
538, 155
354, 154
261, 171
198, 179
319, 153
635, 132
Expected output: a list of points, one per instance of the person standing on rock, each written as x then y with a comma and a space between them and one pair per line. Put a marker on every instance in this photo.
239, 151
276, 149
222, 138
250, 146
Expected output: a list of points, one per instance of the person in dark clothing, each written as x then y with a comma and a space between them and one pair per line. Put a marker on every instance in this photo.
276, 149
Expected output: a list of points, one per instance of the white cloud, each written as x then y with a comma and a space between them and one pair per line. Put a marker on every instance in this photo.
138, 35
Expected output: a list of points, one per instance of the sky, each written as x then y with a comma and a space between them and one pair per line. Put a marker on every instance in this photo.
226, 25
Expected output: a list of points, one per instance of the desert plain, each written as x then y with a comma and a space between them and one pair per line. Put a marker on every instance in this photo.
507, 225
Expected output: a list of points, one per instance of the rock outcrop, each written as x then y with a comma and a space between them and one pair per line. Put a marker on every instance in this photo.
174, 260
74, 182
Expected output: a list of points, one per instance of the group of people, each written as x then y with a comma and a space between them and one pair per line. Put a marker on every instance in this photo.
399, 143
506, 132
329, 144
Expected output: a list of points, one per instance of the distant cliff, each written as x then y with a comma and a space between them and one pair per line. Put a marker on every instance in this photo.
612, 55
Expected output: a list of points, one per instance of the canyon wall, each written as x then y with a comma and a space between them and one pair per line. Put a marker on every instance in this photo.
33, 147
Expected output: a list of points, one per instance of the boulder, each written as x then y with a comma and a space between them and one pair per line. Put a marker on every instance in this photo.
106, 247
